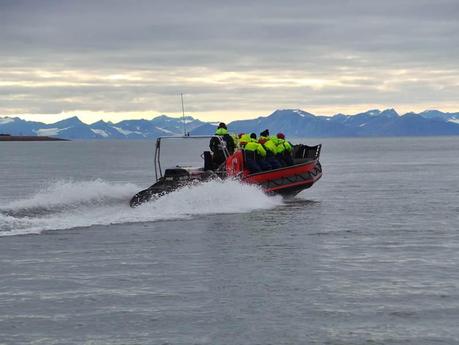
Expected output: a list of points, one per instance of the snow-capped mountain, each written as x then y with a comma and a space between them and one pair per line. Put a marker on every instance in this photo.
438, 115
73, 128
291, 122
373, 123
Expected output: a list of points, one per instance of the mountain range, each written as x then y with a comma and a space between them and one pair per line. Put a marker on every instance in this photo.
292, 122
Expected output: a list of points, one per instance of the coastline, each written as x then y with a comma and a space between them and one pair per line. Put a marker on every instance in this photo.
29, 138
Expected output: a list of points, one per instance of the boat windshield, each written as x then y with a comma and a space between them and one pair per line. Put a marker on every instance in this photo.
180, 151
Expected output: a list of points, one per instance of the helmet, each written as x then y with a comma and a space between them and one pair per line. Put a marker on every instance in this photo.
281, 135
222, 125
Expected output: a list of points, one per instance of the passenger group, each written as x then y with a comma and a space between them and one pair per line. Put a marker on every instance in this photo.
265, 153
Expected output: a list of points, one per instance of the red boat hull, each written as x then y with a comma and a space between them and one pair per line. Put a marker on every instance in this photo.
287, 181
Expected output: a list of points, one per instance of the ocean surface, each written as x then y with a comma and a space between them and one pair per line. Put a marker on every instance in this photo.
368, 255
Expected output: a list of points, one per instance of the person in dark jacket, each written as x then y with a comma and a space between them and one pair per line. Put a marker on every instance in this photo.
215, 147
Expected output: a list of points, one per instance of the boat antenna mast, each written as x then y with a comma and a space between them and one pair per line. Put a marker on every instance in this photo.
183, 116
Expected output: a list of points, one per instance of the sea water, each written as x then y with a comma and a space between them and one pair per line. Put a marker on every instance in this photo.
368, 255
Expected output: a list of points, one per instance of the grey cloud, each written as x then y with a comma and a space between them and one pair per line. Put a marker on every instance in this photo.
303, 38
160, 25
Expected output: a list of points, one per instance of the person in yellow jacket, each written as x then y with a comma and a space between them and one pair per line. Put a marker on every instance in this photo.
284, 149
278, 155
244, 138
235, 140
271, 149
215, 143
255, 155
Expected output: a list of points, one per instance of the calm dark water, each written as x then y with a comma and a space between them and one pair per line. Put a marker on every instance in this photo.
369, 255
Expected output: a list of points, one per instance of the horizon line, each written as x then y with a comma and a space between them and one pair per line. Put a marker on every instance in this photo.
176, 116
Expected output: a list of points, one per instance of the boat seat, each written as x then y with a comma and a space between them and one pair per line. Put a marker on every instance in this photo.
305, 152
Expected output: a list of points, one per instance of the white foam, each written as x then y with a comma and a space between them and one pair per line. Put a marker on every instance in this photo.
70, 204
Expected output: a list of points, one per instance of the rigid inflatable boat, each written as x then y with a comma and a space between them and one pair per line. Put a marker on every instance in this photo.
286, 181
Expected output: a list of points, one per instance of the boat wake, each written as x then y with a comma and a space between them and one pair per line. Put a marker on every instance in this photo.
72, 204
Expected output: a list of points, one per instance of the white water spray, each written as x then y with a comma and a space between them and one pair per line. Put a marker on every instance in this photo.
70, 204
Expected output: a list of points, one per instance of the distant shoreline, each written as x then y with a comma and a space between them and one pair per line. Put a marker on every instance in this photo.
28, 138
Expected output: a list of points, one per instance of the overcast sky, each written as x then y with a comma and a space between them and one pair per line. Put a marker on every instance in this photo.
231, 59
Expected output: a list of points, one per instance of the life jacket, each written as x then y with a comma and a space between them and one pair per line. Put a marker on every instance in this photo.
288, 146
228, 140
274, 139
283, 146
269, 146
254, 149
244, 139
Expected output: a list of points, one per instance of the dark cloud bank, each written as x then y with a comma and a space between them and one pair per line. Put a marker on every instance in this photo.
239, 57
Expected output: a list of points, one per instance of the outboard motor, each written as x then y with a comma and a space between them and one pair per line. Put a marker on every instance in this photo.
172, 179
176, 174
